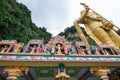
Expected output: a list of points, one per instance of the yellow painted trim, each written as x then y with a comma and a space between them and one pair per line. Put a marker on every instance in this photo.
56, 64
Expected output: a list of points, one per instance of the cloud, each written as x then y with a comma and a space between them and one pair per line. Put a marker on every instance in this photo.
56, 15
51, 14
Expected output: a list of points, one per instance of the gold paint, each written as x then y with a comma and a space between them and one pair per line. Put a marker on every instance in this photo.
55, 64
62, 75
98, 28
100, 72
15, 71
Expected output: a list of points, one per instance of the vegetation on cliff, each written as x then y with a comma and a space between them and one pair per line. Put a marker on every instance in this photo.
16, 23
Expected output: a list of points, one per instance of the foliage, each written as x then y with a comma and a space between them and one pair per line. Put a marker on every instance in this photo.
91, 41
118, 32
16, 23
70, 34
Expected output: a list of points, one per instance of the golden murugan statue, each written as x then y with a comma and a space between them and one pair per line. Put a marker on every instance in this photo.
99, 29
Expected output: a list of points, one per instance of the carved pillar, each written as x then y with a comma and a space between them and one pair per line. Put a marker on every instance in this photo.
100, 72
15, 72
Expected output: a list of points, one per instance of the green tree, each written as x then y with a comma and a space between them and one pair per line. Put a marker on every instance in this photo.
71, 34
16, 23
118, 32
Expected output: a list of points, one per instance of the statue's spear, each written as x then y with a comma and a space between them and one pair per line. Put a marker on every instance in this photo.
100, 15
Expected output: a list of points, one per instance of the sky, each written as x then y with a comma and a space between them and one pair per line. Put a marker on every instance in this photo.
56, 15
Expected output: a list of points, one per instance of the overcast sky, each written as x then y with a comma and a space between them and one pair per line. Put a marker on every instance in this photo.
56, 15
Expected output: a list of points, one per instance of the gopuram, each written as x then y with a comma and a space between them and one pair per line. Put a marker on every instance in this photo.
16, 59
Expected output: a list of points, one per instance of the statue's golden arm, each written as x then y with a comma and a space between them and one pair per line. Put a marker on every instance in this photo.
96, 19
81, 19
80, 33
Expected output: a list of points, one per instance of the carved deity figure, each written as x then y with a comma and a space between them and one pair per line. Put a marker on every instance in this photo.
38, 49
62, 75
99, 29
59, 49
